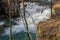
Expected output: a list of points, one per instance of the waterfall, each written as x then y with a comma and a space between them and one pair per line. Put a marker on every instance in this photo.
37, 12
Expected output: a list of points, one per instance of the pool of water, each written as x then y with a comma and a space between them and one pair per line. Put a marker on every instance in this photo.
19, 36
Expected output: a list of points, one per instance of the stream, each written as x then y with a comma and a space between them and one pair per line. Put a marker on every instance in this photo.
33, 10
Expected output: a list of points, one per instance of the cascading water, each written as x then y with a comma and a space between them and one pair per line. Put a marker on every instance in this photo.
37, 12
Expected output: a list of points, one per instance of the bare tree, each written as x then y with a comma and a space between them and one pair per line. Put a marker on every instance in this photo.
9, 4
29, 37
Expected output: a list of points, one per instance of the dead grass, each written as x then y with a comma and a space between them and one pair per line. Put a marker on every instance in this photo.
50, 29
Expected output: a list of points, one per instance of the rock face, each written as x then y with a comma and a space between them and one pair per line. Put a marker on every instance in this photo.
49, 30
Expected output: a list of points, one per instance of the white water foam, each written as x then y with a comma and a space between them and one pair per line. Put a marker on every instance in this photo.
1, 23
38, 13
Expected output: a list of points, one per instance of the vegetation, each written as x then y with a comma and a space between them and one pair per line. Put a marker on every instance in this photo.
26, 24
4, 8
49, 29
